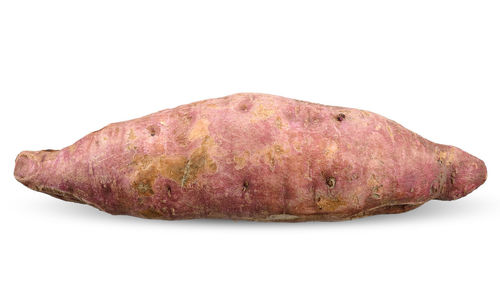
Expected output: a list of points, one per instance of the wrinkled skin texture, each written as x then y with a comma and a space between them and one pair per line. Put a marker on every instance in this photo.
253, 157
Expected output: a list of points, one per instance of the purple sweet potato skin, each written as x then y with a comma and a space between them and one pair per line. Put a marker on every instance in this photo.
253, 157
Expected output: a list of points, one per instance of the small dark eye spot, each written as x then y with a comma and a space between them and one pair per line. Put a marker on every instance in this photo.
330, 182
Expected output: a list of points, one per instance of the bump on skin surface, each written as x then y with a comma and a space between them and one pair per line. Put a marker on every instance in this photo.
253, 157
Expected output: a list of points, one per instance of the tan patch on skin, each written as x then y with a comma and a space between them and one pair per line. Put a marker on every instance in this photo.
144, 182
445, 158
363, 113
261, 112
131, 135
280, 123
180, 169
330, 150
376, 187
389, 130
199, 130
278, 149
241, 160
72, 148
272, 155
297, 145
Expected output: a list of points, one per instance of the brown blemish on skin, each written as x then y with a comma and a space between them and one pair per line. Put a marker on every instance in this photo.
327, 204
245, 186
243, 107
270, 159
151, 213
443, 158
453, 176
438, 185
153, 130
340, 116
182, 170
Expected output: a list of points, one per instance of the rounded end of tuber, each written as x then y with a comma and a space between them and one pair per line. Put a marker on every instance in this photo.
466, 174
25, 166
29, 163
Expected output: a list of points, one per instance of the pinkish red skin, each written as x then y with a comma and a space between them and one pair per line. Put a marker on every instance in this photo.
253, 157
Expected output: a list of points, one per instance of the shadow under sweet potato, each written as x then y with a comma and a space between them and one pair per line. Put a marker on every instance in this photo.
430, 211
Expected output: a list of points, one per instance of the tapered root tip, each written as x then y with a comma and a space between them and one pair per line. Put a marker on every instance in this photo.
466, 175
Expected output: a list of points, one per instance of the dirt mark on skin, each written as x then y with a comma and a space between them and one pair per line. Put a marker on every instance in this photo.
182, 170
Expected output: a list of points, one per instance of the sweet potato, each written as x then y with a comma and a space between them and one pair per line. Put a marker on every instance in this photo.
253, 157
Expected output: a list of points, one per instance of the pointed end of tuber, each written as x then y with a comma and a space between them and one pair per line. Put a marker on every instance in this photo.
466, 174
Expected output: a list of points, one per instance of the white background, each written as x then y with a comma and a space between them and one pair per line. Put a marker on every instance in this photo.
70, 67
